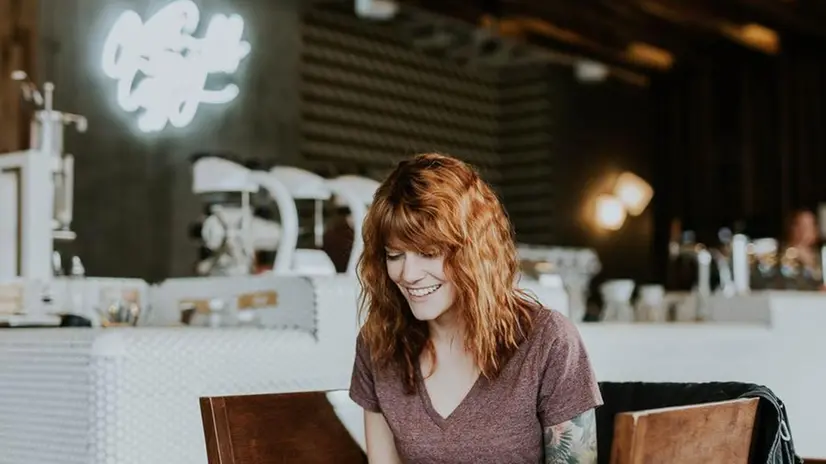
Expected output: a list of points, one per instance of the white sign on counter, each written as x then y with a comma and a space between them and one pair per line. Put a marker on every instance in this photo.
162, 68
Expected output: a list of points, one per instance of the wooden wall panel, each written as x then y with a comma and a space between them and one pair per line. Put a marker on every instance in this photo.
18, 50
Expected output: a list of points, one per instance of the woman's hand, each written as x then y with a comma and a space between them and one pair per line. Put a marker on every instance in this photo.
381, 448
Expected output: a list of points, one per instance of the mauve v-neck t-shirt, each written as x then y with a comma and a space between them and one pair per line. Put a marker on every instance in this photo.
549, 380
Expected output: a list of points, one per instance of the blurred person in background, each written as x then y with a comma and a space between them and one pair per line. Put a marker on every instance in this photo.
801, 260
803, 235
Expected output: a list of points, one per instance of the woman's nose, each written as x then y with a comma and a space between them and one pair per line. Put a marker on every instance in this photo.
412, 269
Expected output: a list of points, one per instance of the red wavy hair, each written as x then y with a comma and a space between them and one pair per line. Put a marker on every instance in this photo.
430, 204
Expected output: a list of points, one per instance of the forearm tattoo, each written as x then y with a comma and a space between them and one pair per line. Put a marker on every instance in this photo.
572, 442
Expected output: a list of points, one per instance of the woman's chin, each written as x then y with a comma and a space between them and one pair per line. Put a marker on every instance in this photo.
424, 312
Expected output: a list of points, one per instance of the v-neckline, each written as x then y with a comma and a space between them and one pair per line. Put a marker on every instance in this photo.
438, 419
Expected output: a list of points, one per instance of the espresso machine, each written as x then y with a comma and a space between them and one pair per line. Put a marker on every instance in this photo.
36, 190
233, 233
229, 230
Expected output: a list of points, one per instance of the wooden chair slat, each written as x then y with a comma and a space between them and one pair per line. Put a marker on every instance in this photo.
276, 428
711, 432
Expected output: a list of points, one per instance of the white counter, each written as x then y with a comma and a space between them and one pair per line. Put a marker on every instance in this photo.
783, 347
129, 396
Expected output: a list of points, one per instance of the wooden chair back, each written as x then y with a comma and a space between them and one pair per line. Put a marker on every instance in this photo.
304, 428
276, 428
712, 432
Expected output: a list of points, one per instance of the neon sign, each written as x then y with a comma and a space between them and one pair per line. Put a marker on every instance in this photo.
162, 69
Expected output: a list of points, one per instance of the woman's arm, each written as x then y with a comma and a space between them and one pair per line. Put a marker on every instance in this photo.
572, 442
381, 449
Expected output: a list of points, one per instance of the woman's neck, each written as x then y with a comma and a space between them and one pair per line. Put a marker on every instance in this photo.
446, 330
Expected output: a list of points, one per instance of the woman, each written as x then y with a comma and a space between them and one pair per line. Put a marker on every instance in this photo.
453, 363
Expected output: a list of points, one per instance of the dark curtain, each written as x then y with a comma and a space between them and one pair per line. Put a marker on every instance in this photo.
740, 140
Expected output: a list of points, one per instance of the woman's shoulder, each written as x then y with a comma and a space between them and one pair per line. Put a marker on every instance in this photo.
365, 355
363, 346
550, 326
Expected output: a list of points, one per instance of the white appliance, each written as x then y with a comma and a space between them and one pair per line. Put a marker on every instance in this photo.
286, 185
231, 231
234, 233
576, 267
36, 190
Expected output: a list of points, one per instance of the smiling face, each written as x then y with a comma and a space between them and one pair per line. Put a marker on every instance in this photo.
421, 279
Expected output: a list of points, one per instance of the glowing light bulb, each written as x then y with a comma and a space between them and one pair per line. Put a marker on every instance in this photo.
162, 69
610, 212
633, 192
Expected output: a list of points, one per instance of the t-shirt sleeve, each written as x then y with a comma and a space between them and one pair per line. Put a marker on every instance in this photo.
362, 385
568, 386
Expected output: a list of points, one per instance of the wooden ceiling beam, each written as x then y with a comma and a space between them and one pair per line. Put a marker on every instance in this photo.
550, 43
529, 28
686, 44
682, 41
786, 16
723, 15
699, 15
565, 30
565, 17
549, 35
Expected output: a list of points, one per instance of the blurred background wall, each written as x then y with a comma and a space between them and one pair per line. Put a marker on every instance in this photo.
726, 132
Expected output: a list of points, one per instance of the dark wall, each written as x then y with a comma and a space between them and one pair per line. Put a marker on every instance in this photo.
742, 140
564, 142
132, 200
370, 99
333, 94
528, 127
603, 130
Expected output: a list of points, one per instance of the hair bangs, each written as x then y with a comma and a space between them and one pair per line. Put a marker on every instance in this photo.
413, 229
